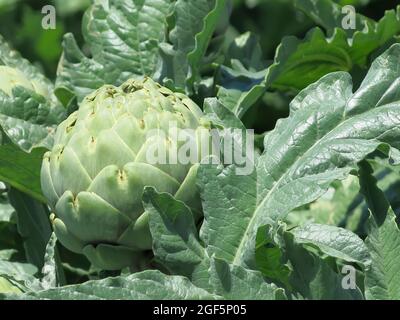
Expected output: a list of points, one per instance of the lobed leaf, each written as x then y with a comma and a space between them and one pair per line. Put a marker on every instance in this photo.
146, 285
383, 277
329, 130
123, 38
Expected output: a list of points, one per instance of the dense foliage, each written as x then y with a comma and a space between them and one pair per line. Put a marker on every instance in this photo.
316, 218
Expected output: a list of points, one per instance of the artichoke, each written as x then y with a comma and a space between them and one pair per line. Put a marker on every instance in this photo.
95, 174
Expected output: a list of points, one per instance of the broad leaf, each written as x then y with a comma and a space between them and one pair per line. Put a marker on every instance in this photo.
220, 116
33, 226
300, 62
335, 242
147, 285
28, 118
333, 208
21, 170
192, 26
312, 276
177, 247
383, 277
237, 283
329, 130
175, 237
123, 38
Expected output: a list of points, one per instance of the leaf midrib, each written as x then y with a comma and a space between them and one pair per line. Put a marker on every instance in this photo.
253, 219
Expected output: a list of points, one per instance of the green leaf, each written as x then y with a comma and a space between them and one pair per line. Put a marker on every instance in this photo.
16, 269
7, 254
177, 247
219, 115
226, 197
303, 271
241, 84
13, 59
300, 62
22, 170
123, 38
193, 24
246, 49
20, 275
175, 237
52, 271
236, 283
212, 22
7, 287
6, 210
70, 7
335, 242
362, 41
383, 277
241, 88
28, 118
146, 285
313, 277
329, 130
33, 226
332, 208
269, 257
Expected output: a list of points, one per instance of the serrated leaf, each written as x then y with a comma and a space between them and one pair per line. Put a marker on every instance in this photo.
146, 285
236, 283
300, 62
123, 38
177, 247
219, 115
312, 277
175, 237
22, 170
13, 59
335, 242
329, 130
383, 277
193, 24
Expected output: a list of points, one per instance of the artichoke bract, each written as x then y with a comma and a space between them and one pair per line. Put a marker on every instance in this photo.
95, 175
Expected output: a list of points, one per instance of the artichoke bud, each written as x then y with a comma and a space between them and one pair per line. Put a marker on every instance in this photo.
95, 174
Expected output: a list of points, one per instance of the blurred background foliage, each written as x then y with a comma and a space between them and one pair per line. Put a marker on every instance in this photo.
21, 26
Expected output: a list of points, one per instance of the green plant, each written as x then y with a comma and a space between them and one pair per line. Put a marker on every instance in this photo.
85, 214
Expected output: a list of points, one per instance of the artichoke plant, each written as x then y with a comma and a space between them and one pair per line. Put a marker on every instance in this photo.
95, 174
